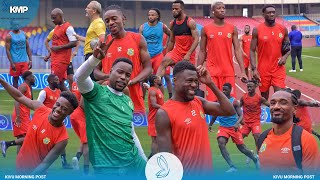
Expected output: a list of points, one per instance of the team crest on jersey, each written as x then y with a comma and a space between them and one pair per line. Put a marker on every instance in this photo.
130, 52
229, 35
280, 35
263, 147
202, 115
46, 140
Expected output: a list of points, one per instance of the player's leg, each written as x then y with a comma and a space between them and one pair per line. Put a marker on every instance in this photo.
64, 161
256, 137
245, 130
256, 131
70, 74
6, 144
167, 61
293, 59
265, 85
168, 82
299, 52
222, 138
20, 139
86, 158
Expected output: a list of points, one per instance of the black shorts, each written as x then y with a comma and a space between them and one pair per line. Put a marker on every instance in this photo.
70, 69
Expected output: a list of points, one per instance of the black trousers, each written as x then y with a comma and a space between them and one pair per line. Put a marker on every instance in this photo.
296, 52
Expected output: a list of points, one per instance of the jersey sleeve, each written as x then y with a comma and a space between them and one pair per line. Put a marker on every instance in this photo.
100, 28
49, 37
62, 135
42, 96
93, 93
70, 33
310, 153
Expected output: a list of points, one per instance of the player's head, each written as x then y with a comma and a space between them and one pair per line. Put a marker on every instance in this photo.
297, 93
226, 89
185, 80
293, 27
64, 106
218, 10
114, 19
282, 106
177, 8
269, 13
153, 15
247, 29
251, 86
28, 77
155, 80
120, 73
93, 8
57, 16
53, 81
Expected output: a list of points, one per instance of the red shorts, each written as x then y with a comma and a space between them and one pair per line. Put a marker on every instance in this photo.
168, 70
274, 79
59, 70
21, 67
156, 61
219, 81
177, 56
254, 127
78, 122
22, 130
136, 96
152, 129
230, 132
246, 62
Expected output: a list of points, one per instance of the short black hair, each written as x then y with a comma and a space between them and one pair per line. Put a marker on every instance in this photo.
297, 92
71, 98
252, 81
267, 6
293, 27
158, 12
294, 97
183, 65
151, 79
122, 59
227, 85
50, 77
247, 25
179, 2
26, 74
115, 7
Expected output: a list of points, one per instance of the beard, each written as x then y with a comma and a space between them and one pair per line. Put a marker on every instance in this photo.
277, 120
269, 21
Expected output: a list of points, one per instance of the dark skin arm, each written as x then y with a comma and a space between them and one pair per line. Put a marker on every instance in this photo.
8, 44
237, 107
283, 59
163, 127
302, 102
98, 74
29, 53
153, 99
19, 97
167, 31
203, 48
264, 101
211, 122
193, 27
253, 59
171, 39
70, 45
46, 42
238, 54
17, 121
51, 157
145, 61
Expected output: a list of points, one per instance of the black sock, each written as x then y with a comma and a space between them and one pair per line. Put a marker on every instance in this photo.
78, 155
170, 95
63, 159
86, 169
10, 143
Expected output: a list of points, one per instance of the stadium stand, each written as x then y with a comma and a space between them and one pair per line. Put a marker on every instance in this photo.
303, 22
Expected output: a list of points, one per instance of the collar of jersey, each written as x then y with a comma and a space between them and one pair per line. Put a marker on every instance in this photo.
118, 93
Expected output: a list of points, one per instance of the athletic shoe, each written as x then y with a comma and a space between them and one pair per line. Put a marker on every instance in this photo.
232, 170
257, 164
248, 160
66, 166
4, 148
301, 70
75, 163
291, 70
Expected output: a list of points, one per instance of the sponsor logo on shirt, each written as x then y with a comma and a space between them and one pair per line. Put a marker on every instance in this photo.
187, 121
285, 150
119, 49
43, 130
46, 140
130, 52
34, 127
211, 36
263, 147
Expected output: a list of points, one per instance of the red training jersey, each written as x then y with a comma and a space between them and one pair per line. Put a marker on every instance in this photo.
269, 48
251, 108
189, 134
219, 49
127, 47
160, 101
51, 96
24, 114
305, 120
246, 41
60, 38
39, 141
76, 91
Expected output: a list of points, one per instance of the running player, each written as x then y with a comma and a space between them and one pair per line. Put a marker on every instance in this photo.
17, 50
251, 103
155, 101
218, 39
129, 45
269, 38
229, 127
47, 136
184, 38
180, 123
114, 148
245, 41
63, 41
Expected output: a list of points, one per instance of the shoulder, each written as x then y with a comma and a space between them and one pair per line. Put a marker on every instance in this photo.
41, 111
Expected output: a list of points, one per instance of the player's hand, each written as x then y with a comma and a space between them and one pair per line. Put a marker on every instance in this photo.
13, 67
55, 48
132, 82
77, 36
46, 58
244, 77
100, 50
17, 122
282, 61
146, 85
236, 126
256, 76
30, 65
186, 57
203, 75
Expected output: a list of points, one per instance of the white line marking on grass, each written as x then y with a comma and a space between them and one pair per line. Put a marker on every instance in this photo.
305, 95
314, 57
240, 88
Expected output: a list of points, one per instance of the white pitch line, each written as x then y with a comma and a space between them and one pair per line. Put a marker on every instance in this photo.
240, 88
314, 57
305, 95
